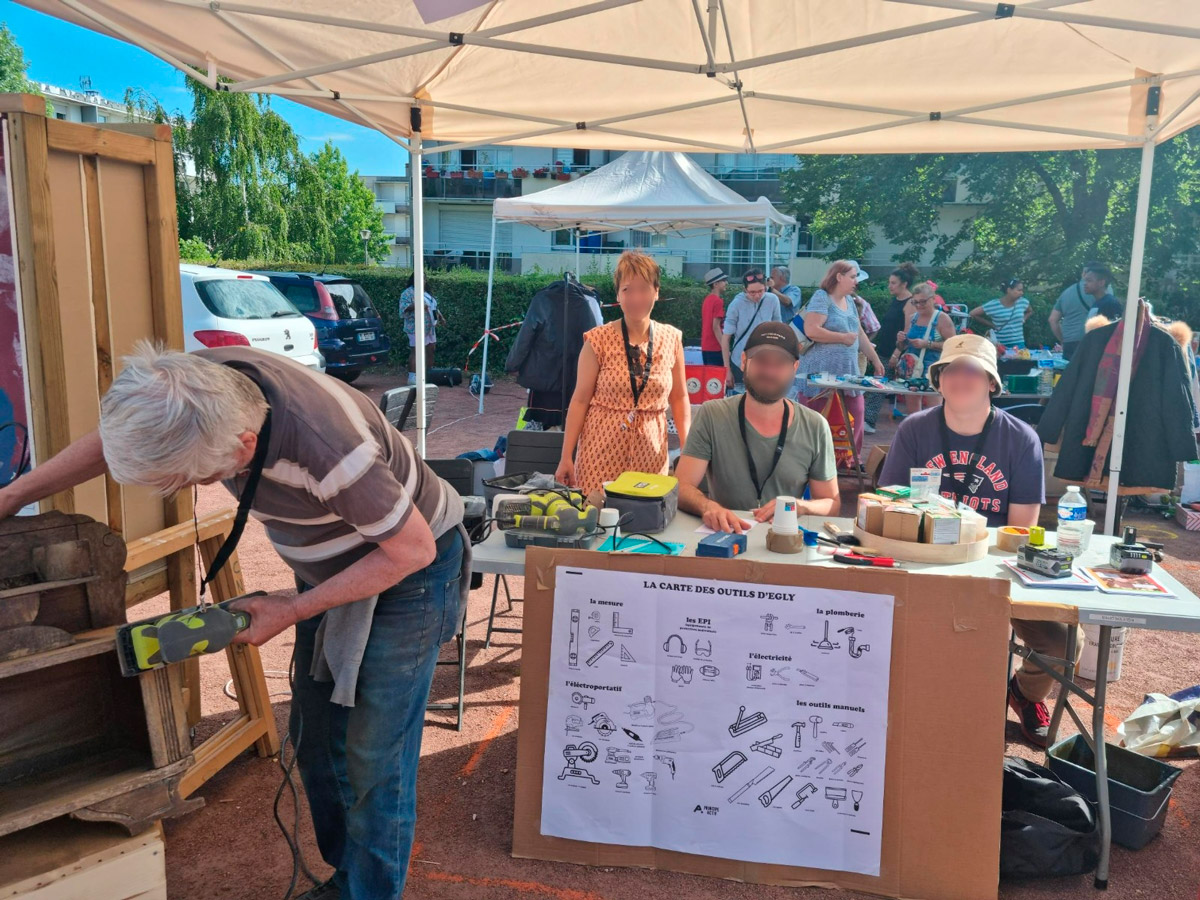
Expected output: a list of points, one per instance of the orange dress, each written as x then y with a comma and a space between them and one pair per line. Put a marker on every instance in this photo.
617, 438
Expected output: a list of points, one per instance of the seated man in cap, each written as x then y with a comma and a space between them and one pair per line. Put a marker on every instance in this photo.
712, 316
757, 446
992, 462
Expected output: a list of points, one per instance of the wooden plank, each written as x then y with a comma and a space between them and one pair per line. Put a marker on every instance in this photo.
98, 272
162, 691
151, 584
245, 662
154, 130
162, 233
34, 104
89, 781
219, 751
88, 140
67, 860
88, 643
158, 546
34, 235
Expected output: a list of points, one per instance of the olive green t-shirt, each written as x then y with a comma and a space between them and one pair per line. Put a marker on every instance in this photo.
715, 438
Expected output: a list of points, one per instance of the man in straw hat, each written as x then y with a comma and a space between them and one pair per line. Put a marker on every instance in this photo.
991, 462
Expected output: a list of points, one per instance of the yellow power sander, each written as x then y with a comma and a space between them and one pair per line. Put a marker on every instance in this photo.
180, 635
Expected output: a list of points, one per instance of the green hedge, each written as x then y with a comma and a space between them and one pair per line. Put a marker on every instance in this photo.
462, 294
462, 298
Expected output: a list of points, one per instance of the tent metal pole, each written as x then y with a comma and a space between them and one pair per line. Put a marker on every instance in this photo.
576, 252
418, 249
767, 232
1141, 214
487, 317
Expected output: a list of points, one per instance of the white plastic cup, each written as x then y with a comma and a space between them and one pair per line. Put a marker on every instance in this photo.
608, 521
785, 521
1087, 528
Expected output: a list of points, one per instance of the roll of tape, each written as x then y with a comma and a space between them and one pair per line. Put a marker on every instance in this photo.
1010, 538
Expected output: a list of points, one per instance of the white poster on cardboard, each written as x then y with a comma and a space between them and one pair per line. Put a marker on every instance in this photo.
741, 721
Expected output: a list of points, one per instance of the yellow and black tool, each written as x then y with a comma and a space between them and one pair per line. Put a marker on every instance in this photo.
177, 636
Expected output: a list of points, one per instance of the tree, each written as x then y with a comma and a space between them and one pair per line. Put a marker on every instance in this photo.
333, 207
247, 191
14, 68
1040, 215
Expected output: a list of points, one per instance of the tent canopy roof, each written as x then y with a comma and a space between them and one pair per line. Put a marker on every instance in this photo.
648, 191
818, 76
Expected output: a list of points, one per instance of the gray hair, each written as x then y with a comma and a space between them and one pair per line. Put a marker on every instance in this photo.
171, 419
784, 271
924, 288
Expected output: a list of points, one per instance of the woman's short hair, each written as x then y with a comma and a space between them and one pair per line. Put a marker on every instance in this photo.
635, 263
924, 289
172, 419
829, 282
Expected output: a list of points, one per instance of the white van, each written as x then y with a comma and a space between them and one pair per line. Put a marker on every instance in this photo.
225, 308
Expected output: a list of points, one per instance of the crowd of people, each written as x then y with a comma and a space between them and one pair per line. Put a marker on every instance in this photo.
765, 439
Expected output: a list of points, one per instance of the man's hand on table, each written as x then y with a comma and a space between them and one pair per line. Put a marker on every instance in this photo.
718, 518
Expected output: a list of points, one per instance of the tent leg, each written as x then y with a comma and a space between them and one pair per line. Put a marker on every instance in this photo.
1141, 214
487, 318
418, 246
767, 232
576, 254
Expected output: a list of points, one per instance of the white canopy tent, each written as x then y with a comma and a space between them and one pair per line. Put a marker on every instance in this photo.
644, 191
804, 76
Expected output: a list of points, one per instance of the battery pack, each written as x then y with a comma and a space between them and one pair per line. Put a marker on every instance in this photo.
722, 545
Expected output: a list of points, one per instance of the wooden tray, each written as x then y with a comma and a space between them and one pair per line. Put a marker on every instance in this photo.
925, 553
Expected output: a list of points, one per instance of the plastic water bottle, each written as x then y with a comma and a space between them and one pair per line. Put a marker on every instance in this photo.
1071, 506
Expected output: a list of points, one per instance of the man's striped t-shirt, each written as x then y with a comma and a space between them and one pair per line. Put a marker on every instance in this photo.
338, 478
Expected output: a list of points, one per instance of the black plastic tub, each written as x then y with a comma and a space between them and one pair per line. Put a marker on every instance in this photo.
1139, 787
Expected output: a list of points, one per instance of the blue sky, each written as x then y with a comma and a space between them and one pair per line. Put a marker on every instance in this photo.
60, 53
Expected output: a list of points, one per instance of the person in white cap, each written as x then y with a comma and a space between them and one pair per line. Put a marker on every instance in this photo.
712, 315
991, 461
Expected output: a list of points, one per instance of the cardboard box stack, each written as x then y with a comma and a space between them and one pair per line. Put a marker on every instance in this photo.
890, 514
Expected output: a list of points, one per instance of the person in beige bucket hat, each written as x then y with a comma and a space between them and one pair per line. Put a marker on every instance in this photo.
991, 461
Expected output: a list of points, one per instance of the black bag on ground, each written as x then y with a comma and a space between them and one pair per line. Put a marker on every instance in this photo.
1046, 827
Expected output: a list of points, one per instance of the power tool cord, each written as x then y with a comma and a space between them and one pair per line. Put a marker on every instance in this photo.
287, 765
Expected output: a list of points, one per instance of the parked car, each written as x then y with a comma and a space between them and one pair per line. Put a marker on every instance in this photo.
225, 308
350, 333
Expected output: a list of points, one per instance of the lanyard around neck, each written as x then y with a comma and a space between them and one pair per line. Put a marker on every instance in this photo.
632, 364
245, 501
779, 443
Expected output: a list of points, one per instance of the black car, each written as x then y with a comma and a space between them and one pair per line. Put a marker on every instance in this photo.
349, 331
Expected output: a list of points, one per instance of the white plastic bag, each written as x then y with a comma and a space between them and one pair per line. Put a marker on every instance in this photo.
1164, 726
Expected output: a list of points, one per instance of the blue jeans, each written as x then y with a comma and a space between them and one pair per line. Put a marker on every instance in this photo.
359, 764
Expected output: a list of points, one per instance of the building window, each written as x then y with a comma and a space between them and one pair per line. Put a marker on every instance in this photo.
581, 157
100, 118
647, 239
466, 158
563, 238
59, 115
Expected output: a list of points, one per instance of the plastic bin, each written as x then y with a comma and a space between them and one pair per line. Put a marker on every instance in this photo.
1138, 787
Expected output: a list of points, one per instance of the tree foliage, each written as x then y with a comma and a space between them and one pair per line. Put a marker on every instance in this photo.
1036, 216
245, 189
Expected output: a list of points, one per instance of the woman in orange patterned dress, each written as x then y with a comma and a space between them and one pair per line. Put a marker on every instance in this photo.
630, 370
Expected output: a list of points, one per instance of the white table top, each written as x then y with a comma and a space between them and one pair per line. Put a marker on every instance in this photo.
1178, 613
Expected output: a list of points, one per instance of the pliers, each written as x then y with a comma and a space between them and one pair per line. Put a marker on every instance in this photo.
857, 559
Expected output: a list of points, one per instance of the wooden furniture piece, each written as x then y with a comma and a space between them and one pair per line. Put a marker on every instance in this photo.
255, 724
76, 736
68, 860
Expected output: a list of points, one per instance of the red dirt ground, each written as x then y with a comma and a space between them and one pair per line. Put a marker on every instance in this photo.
232, 849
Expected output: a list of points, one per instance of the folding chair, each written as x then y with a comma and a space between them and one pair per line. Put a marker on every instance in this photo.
528, 451
399, 406
459, 474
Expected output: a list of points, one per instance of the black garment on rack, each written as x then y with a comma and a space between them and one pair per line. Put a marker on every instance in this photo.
545, 355
1158, 428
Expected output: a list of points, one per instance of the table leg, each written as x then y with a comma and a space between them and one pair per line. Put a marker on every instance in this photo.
1063, 693
1102, 757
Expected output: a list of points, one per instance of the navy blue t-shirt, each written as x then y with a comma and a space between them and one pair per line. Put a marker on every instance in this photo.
1008, 469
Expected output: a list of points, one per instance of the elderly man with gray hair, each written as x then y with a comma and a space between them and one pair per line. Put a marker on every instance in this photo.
372, 534
790, 299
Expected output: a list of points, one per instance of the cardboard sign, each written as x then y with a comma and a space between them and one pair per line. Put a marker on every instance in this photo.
941, 811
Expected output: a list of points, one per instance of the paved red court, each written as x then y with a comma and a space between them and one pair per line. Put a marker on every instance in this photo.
232, 849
